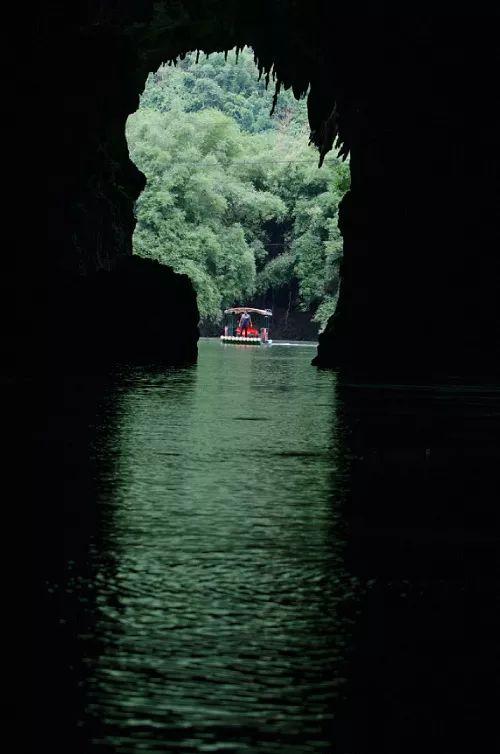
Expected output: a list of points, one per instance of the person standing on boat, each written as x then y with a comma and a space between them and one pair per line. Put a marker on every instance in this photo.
245, 323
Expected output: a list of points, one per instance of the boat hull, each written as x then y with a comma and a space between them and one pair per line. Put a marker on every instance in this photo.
236, 339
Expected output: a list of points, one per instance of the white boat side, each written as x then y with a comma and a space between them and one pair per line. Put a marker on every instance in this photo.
248, 341
238, 339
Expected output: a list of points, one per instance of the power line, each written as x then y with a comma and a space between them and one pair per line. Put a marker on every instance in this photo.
243, 162
256, 162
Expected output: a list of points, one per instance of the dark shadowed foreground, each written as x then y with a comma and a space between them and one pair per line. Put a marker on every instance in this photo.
251, 555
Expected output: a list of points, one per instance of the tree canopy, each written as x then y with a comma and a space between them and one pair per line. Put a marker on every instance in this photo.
234, 197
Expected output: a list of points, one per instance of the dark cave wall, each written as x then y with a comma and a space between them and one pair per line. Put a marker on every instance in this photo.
92, 182
413, 98
420, 275
141, 312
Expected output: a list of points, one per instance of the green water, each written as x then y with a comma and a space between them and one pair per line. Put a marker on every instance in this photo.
251, 555
208, 609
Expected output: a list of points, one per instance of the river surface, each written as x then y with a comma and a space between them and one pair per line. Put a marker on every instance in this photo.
223, 582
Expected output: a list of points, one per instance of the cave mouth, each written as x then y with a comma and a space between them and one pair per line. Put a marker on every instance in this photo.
419, 270
234, 196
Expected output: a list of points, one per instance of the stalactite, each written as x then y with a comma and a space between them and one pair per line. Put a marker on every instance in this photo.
275, 97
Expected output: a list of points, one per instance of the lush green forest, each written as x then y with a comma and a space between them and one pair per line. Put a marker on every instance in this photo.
234, 197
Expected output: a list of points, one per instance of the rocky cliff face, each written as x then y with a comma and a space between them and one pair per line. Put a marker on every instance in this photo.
140, 312
412, 98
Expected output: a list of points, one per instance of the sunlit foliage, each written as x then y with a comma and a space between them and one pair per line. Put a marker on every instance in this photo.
234, 198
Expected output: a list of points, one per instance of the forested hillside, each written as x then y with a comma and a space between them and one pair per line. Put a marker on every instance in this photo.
234, 197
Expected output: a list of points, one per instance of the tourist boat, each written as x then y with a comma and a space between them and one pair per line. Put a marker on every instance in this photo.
257, 334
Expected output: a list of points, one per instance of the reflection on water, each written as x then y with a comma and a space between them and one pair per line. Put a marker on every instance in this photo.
423, 533
263, 557
207, 614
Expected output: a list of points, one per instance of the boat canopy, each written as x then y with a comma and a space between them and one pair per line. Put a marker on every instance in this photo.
241, 309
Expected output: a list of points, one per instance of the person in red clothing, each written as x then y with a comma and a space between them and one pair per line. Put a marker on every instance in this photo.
245, 323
